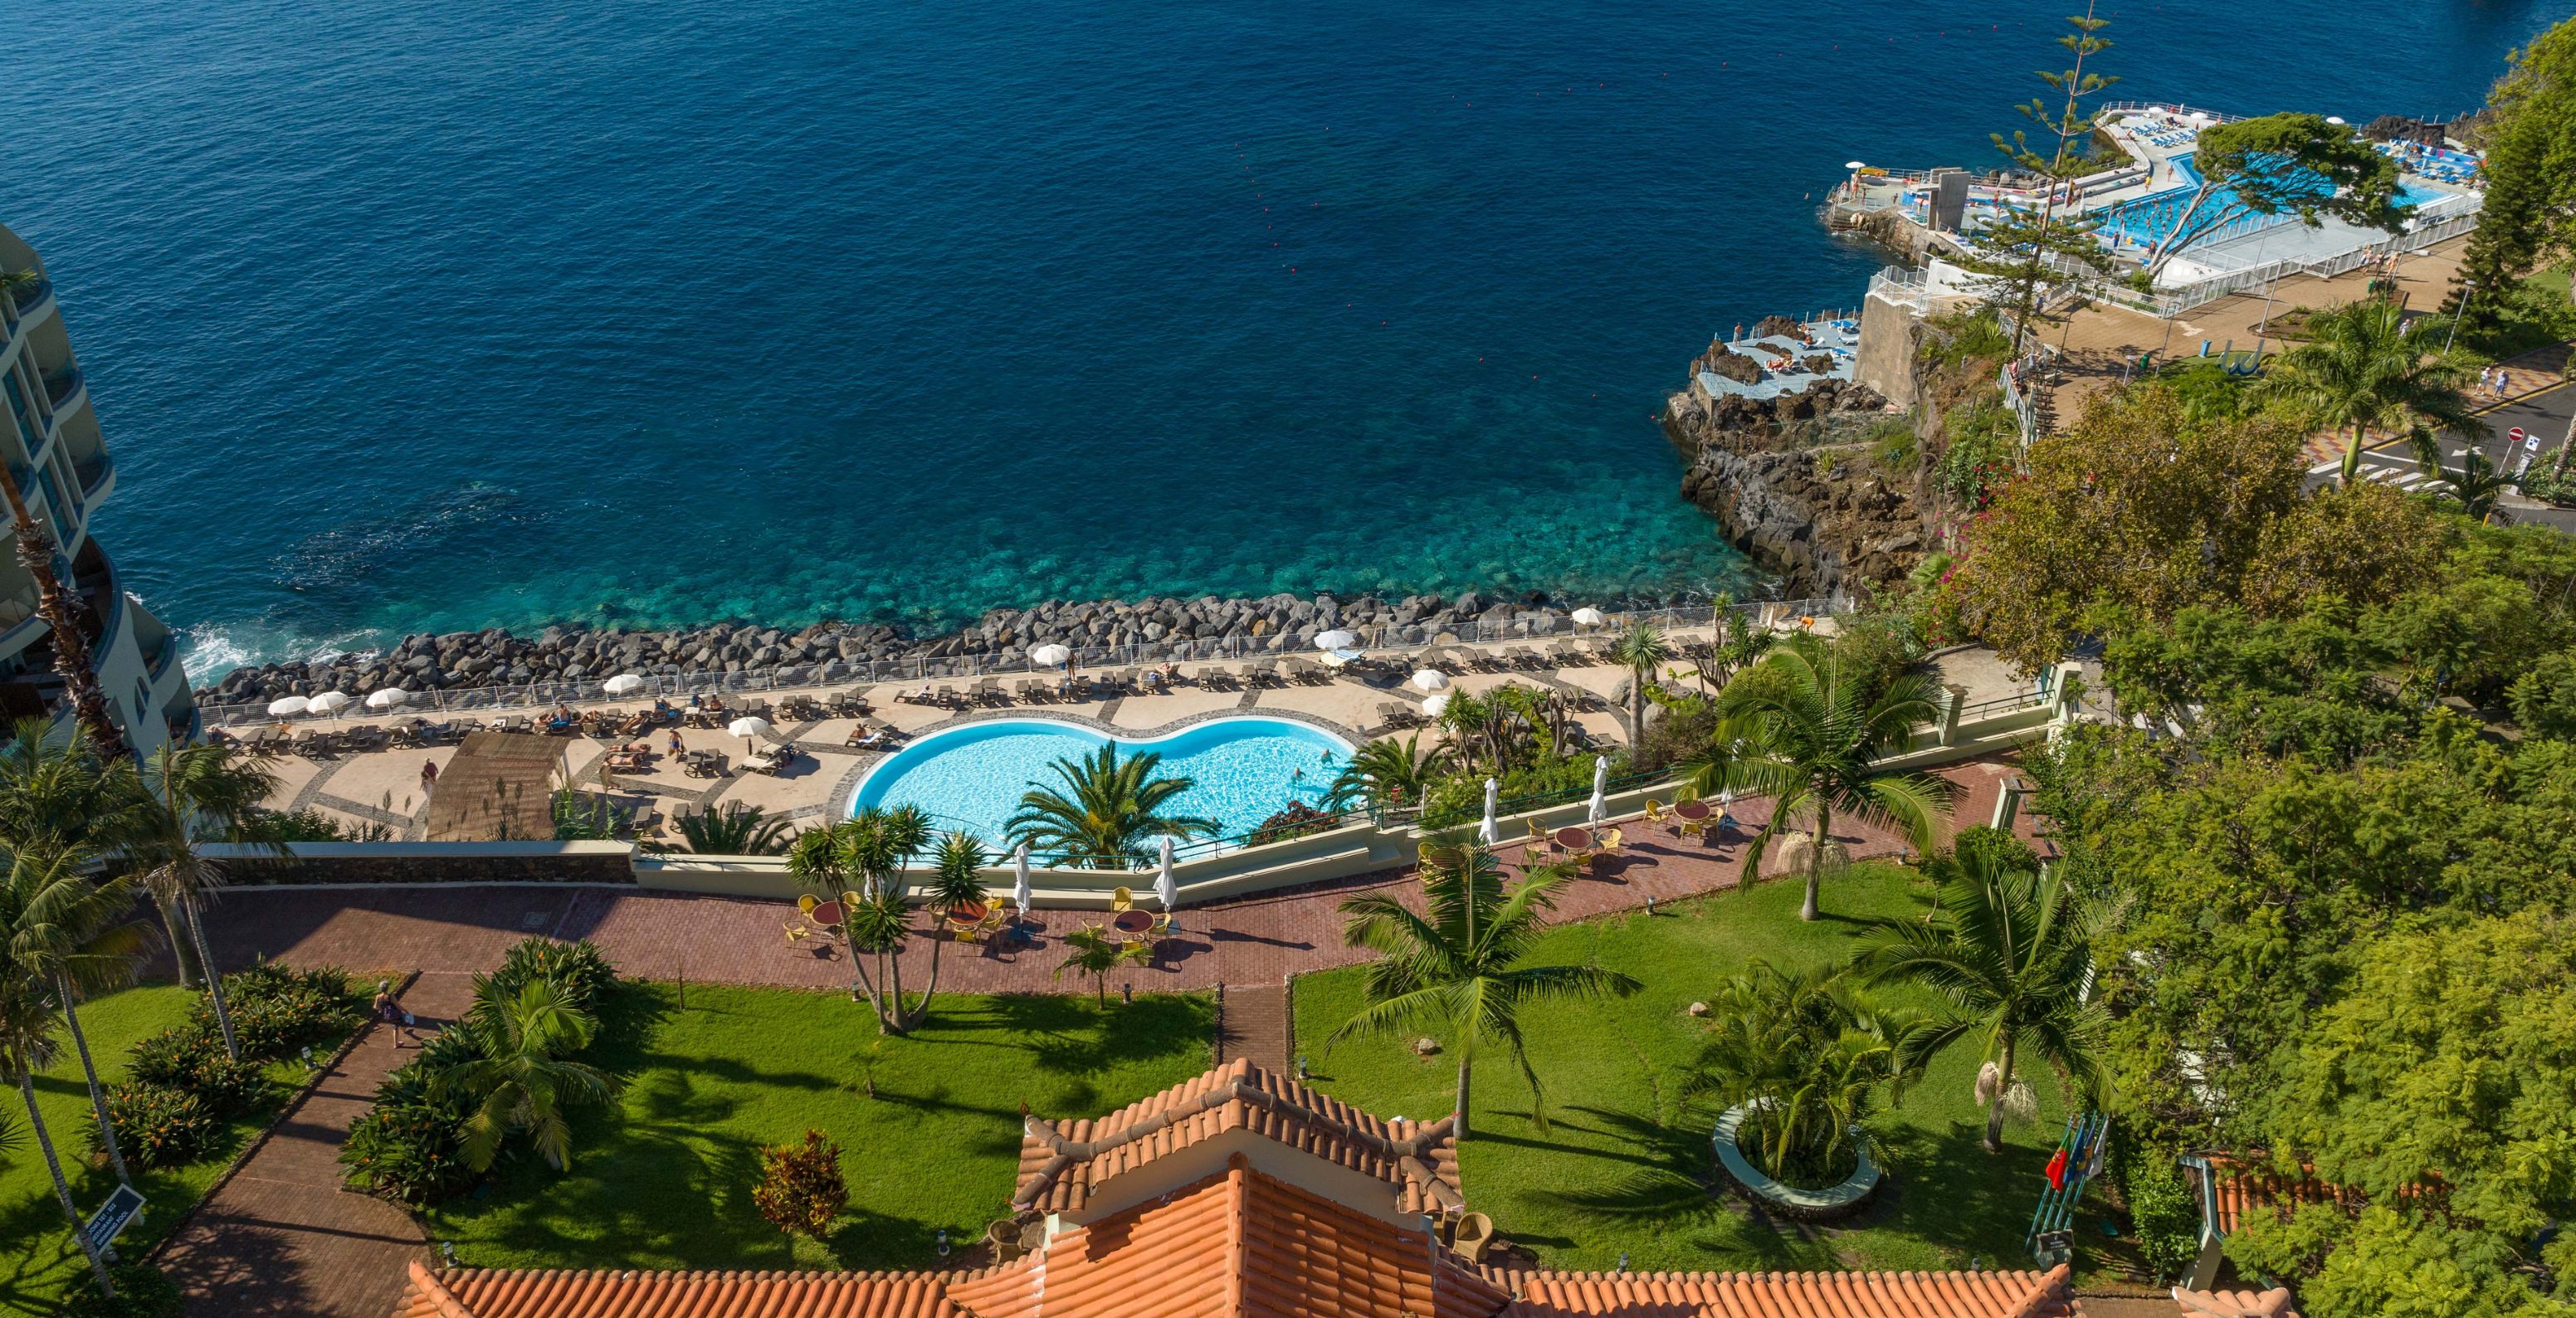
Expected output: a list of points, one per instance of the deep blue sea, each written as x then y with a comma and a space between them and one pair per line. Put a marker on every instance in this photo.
405, 316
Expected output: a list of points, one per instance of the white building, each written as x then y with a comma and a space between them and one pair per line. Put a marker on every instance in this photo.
50, 439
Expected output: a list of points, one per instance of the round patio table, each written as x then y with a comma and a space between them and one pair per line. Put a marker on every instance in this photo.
1574, 839
1692, 809
968, 914
1132, 922
826, 914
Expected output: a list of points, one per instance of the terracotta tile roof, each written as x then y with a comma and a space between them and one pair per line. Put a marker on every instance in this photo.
2240, 1186
511, 1293
1061, 1162
1240, 1243
1790, 1294
2274, 1303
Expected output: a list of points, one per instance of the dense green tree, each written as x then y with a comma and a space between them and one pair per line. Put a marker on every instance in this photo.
2529, 211
1109, 813
1460, 964
1807, 728
2365, 367
2309, 684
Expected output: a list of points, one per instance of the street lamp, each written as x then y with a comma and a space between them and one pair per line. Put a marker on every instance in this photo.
2468, 289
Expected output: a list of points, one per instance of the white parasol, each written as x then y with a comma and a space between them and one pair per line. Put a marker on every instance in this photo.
1431, 679
1049, 656
1436, 705
386, 697
1020, 879
287, 705
747, 727
330, 702
1600, 808
1167, 889
1336, 639
624, 684
1587, 616
1491, 833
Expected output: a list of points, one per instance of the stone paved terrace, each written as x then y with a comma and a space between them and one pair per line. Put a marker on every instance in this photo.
1260, 939
383, 789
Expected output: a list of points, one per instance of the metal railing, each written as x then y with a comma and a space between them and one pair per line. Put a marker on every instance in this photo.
1383, 640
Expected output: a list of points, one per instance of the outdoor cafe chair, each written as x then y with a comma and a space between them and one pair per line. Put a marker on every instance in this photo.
1120, 899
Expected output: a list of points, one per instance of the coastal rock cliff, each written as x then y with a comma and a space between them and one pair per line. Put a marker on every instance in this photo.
1799, 483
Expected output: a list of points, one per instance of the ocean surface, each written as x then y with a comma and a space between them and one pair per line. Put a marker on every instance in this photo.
406, 316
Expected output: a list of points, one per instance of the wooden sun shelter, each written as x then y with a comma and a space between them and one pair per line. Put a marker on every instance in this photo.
500, 787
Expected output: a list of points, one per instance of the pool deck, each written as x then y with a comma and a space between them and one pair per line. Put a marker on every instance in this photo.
382, 789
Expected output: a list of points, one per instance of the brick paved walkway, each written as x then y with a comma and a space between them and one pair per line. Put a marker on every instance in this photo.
1253, 940
282, 1237
1256, 1026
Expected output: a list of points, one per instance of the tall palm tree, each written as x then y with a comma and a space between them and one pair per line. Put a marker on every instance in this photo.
67, 620
1460, 964
69, 937
1468, 721
858, 862
2364, 368
519, 1079
2476, 482
735, 830
182, 799
1095, 953
1809, 1056
26, 1047
1387, 774
956, 879
1112, 816
1811, 732
2011, 952
1641, 650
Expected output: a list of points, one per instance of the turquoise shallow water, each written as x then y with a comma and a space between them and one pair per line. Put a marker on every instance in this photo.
408, 317
1242, 770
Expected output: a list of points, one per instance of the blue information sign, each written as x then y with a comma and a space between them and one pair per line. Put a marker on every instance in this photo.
114, 1216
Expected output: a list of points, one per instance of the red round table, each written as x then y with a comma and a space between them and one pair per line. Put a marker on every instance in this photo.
1573, 839
968, 914
1692, 809
826, 914
1132, 922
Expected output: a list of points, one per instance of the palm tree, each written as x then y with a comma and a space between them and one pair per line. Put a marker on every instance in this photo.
184, 798
859, 863
1812, 732
69, 935
1468, 723
2011, 952
519, 1080
1460, 965
2364, 368
26, 1047
1641, 650
1809, 1057
956, 879
734, 830
1114, 813
67, 620
1388, 775
2476, 482
1095, 953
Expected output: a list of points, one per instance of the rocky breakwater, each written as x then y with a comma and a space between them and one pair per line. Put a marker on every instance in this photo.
1154, 628
1799, 483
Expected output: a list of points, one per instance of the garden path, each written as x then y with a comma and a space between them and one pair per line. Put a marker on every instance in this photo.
281, 1236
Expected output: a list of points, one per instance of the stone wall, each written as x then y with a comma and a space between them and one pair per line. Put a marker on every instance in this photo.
431, 862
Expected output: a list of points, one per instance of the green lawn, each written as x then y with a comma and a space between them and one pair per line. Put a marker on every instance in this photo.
37, 1256
664, 1179
1623, 1169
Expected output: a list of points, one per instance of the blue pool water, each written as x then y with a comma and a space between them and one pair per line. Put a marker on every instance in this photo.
1242, 770
2146, 220
428, 316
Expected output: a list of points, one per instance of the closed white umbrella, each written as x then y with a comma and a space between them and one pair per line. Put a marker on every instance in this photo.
386, 697
1167, 889
330, 702
1492, 833
1588, 616
1431, 679
1336, 639
284, 706
1049, 656
1435, 705
1855, 164
1600, 808
1020, 879
747, 727
624, 684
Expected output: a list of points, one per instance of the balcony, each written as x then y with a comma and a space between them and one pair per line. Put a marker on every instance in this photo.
61, 385
93, 473
23, 302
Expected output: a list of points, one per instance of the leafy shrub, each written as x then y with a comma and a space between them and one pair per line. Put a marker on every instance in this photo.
1894, 444
159, 1126
276, 1010
1985, 438
578, 970
142, 1291
801, 1190
2161, 1212
1995, 845
170, 1057
407, 1146
1953, 339
2549, 485
2544, 698
227, 1088
1298, 820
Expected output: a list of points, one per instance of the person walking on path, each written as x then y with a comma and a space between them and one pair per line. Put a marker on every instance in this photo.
428, 776
390, 1013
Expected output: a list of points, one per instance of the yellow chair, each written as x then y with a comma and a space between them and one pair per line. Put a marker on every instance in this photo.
1655, 813
1694, 828
805, 903
1533, 857
1611, 840
1120, 899
796, 933
1537, 834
